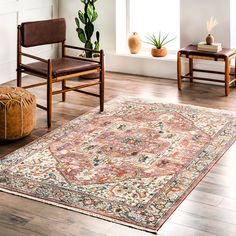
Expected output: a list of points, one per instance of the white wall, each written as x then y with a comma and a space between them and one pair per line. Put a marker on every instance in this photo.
193, 29
194, 15
233, 23
12, 13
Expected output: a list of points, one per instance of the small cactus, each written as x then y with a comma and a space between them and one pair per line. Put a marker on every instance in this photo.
85, 32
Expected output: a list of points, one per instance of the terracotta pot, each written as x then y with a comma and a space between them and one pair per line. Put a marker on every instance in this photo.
158, 52
134, 43
209, 39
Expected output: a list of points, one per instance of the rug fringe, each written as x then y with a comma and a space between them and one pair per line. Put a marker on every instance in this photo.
98, 216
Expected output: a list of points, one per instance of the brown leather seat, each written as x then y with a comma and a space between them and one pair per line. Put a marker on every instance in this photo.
61, 66
37, 33
192, 50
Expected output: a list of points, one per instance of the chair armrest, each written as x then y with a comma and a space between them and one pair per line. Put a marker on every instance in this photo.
81, 48
34, 57
84, 58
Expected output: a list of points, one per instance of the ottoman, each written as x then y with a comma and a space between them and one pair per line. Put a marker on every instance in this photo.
17, 113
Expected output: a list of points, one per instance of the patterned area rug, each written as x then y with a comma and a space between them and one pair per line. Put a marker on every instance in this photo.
133, 164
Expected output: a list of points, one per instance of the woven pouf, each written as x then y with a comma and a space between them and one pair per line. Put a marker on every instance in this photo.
17, 113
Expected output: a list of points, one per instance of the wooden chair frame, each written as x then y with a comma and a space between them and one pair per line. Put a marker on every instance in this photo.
50, 79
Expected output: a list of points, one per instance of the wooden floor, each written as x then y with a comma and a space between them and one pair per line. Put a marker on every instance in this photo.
209, 210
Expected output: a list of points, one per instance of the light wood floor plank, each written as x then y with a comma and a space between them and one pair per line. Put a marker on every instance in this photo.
180, 230
203, 223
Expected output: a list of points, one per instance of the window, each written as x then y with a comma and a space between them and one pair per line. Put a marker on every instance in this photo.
151, 16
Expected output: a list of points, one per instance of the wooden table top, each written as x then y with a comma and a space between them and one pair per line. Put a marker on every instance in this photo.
192, 50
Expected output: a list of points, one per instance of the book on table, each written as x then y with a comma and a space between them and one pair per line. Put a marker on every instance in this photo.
215, 47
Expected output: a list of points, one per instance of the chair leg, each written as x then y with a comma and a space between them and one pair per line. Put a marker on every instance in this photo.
101, 86
19, 58
102, 96
19, 78
49, 105
101, 91
49, 95
63, 87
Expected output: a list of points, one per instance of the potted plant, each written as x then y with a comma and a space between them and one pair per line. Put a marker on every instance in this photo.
85, 26
210, 26
159, 42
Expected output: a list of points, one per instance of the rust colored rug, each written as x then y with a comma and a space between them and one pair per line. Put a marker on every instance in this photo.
133, 164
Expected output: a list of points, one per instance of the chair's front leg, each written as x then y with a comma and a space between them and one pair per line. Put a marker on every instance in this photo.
63, 87
19, 78
49, 94
101, 86
19, 58
102, 97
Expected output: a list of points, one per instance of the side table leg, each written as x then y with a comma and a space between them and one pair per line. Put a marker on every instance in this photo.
227, 71
179, 78
191, 69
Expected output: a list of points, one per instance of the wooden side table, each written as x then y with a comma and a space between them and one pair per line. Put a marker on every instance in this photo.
191, 52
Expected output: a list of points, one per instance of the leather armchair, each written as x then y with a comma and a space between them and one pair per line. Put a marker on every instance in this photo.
60, 69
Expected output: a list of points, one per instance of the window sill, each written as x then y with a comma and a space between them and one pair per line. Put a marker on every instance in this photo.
171, 56
143, 64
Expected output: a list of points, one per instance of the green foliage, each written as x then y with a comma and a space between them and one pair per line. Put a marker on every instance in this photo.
89, 29
159, 41
85, 26
81, 35
96, 43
